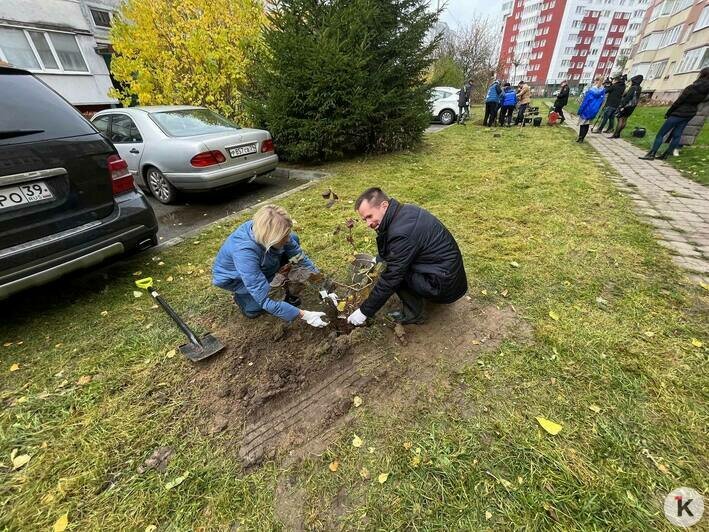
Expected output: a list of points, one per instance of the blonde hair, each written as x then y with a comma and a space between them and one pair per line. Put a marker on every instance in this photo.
271, 225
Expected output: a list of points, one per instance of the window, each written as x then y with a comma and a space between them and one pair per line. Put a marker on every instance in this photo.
703, 20
670, 36
101, 123
41, 50
614, 27
102, 18
681, 5
694, 60
124, 130
601, 65
656, 69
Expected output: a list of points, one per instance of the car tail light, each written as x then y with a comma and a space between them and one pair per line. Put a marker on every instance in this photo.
207, 158
267, 145
121, 178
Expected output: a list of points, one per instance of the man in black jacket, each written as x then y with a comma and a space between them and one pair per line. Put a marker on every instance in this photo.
423, 261
679, 114
614, 93
561, 100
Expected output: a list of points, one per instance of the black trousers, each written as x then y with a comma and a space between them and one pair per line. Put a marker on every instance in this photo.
520, 113
419, 287
560, 111
490, 113
506, 114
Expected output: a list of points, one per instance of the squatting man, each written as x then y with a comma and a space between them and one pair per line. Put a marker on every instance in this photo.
423, 262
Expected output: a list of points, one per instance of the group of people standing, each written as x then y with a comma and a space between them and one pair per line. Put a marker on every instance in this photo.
501, 100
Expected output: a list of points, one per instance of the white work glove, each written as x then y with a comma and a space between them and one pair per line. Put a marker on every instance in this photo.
314, 318
357, 318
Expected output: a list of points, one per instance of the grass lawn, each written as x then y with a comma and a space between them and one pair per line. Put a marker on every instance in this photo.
693, 161
615, 356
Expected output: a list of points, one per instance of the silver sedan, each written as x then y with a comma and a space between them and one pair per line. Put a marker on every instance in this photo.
176, 147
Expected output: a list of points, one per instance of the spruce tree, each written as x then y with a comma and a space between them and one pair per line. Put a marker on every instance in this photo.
342, 77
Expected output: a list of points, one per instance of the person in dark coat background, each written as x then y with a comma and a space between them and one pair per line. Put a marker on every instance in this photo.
561, 100
627, 105
464, 95
614, 93
423, 261
679, 114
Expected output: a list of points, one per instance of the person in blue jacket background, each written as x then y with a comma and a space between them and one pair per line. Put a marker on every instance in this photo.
590, 106
509, 100
249, 259
492, 103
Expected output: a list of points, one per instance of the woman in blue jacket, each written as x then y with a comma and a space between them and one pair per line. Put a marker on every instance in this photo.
249, 259
509, 100
590, 106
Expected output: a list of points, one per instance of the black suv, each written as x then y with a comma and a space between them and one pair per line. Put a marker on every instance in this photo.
67, 200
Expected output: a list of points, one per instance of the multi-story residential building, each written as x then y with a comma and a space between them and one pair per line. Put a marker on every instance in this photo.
545, 42
65, 43
672, 47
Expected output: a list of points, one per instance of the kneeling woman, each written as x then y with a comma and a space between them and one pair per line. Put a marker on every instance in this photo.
249, 259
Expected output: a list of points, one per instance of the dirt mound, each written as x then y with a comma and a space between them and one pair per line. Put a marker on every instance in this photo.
289, 388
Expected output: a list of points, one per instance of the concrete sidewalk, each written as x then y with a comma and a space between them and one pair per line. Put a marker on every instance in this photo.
677, 207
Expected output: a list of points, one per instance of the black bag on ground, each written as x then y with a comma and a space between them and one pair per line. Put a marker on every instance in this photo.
537, 121
639, 132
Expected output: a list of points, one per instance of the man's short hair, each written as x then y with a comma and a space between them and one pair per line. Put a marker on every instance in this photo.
374, 196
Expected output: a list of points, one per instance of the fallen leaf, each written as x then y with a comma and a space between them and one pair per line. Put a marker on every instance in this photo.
176, 482
19, 461
356, 441
382, 478
551, 427
553, 315
84, 379
63, 383
137, 273
415, 460
514, 264
104, 313
14, 367
169, 279
7, 344
504, 293
520, 480
704, 285
334, 465
371, 450
506, 483
364, 473
161, 263
483, 292
61, 523
649, 334
137, 294
158, 460
407, 445
595, 408
488, 515
696, 343
357, 401
150, 528
171, 353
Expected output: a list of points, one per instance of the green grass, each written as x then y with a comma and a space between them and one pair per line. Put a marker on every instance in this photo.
505, 199
693, 161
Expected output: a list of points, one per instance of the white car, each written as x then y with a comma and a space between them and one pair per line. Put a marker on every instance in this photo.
444, 104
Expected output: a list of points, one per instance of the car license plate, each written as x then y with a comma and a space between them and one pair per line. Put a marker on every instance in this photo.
240, 151
24, 194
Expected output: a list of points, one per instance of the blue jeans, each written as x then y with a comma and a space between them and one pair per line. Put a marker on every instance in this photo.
675, 124
608, 116
248, 305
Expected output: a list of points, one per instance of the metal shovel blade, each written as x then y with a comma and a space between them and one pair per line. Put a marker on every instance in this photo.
210, 345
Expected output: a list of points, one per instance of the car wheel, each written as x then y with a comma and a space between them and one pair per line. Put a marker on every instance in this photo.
446, 117
160, 187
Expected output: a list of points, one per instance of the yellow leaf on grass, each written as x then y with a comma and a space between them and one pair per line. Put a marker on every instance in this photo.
20, 460
341, 305
61, 523
595, 408
364, 473
169, 279
407, 445
356, 441
137, 273
104, 313
84, 379
171, 353
150, 528
357, 401
553, 315
697, 343
649, 334
137, 294
371, 449
382, 478
415, 460
177, 481
514, 264
334, 465
14, 367
549, 426
488, 515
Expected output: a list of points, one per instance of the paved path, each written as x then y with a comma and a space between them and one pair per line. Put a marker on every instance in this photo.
677, 207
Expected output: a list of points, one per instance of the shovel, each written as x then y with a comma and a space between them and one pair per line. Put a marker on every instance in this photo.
196, 349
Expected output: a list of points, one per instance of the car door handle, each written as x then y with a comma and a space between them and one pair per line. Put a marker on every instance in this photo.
134, 150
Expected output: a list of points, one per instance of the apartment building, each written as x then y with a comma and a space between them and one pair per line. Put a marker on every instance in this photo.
65, 43
672, 47
547, 41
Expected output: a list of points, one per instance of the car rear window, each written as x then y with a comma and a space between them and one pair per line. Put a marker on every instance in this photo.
32, 111
190, 122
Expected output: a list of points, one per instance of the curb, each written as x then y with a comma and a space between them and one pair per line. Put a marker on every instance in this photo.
304, 175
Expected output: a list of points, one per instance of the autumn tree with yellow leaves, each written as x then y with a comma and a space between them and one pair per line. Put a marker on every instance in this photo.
196, 52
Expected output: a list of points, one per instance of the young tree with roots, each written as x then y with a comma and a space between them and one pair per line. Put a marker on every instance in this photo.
196, 52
